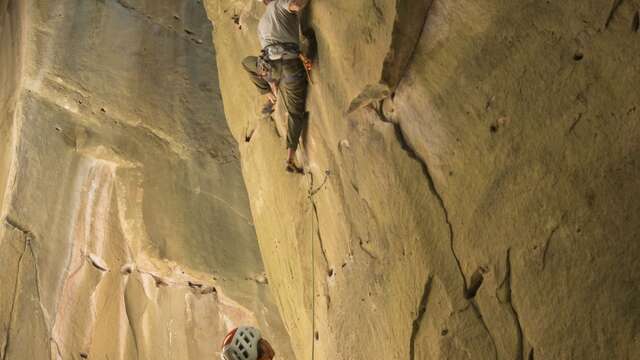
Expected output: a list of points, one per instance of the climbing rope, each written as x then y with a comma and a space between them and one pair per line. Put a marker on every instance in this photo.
313, 269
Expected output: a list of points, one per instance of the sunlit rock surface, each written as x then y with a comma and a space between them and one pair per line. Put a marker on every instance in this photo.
126, 231
474, 177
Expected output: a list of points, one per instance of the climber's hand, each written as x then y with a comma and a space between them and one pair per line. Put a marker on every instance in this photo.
307, 62
272, 97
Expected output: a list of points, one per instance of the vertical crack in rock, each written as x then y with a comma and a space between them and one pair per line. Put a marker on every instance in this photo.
317, 220
36, 268
378, 10
15, 295
474, 284
546, 247
411, 17
614, 7
417, 322
430, 181
478, 313
130, 322
516, 316
28, 238
51, 339
575, 123
432, 186
408, 27
313, 191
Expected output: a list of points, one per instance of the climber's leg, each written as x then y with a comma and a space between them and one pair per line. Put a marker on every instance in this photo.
293, 86
250, 64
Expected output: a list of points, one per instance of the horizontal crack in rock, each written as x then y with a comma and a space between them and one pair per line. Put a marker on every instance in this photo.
15, 225
187, 35
97, 263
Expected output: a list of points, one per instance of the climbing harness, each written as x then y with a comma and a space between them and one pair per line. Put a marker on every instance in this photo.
273, 53
285, 51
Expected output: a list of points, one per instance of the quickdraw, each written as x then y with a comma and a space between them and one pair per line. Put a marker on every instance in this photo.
308, 65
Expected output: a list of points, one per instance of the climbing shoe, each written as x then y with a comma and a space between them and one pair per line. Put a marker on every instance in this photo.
293, 168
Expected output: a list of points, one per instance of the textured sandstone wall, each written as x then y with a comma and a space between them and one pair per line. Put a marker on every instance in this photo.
126, 231
482, 203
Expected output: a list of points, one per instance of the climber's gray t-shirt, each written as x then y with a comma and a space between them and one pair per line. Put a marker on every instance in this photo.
278, 24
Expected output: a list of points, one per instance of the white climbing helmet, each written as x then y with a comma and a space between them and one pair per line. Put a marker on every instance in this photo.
241, 344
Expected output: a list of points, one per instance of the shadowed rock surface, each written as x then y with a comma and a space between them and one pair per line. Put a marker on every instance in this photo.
475, 179
125, 229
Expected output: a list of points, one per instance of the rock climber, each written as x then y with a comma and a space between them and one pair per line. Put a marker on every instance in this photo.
246, 343
282, 68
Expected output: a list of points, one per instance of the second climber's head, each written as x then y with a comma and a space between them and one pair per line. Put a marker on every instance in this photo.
246, 343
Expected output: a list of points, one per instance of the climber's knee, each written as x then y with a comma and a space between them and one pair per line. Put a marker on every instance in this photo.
249, 63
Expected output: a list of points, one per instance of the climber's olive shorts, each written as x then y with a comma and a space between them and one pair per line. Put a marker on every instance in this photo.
292, 85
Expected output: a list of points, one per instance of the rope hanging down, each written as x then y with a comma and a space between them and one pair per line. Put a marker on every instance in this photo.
313, 279
313, 269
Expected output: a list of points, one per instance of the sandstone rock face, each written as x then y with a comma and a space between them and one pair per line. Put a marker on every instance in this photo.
473, 188
126, 231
